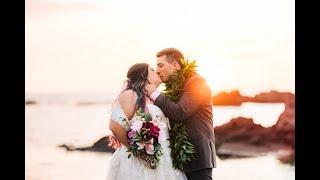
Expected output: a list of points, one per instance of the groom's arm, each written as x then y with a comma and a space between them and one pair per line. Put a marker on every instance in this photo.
195, 91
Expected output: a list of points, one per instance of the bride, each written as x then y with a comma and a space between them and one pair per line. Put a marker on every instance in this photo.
125, 106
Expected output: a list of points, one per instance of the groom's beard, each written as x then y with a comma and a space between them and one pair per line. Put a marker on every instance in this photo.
165, 81
162, 79
169, 79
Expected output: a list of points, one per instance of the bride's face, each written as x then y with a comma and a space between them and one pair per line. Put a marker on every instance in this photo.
153, 77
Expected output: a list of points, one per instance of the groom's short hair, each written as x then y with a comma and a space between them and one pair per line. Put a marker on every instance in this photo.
172, 55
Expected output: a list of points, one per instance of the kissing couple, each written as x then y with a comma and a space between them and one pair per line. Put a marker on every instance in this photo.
165, 135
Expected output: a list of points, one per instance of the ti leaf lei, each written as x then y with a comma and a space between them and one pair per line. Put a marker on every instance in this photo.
182, 150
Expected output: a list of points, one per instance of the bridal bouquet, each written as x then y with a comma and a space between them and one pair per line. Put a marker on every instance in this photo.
143, 137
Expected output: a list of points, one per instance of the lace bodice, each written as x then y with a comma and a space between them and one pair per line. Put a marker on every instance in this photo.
118, 116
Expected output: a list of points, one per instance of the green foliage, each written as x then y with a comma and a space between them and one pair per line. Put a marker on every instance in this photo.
174, 87
182, 151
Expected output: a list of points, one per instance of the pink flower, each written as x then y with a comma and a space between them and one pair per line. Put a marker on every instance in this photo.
141, 145
131, 134
149, 147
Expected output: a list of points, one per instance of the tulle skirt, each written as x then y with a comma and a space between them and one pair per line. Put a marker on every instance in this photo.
120, 167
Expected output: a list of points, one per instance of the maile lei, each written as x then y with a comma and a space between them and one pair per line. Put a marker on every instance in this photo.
182, 150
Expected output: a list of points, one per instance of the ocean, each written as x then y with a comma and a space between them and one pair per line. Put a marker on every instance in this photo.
56, 120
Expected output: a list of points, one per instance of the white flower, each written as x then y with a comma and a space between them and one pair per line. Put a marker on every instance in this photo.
140, 145
136, 125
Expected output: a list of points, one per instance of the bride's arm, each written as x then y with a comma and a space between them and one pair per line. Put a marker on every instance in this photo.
119, 132
128, 103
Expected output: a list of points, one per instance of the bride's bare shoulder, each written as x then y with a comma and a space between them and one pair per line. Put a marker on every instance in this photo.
128, 95
127, 100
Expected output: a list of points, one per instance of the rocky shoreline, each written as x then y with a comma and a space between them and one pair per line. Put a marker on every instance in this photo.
234, 98
241, 137
100, 146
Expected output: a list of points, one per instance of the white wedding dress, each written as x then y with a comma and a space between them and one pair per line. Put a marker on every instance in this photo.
120, 167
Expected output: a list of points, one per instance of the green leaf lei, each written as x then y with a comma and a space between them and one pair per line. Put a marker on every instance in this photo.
182, 151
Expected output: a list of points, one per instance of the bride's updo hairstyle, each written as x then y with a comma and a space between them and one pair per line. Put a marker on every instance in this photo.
137, 80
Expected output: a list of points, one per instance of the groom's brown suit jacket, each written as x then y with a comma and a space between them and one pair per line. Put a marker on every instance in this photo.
194, 109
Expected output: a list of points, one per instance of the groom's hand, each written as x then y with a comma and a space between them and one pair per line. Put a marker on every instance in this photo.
151, 88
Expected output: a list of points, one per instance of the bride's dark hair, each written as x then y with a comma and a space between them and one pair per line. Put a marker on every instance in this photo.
137, 80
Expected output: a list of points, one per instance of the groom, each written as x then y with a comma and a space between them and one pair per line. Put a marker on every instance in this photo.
194, 108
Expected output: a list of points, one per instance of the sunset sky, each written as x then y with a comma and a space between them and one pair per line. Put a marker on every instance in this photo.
88, 45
